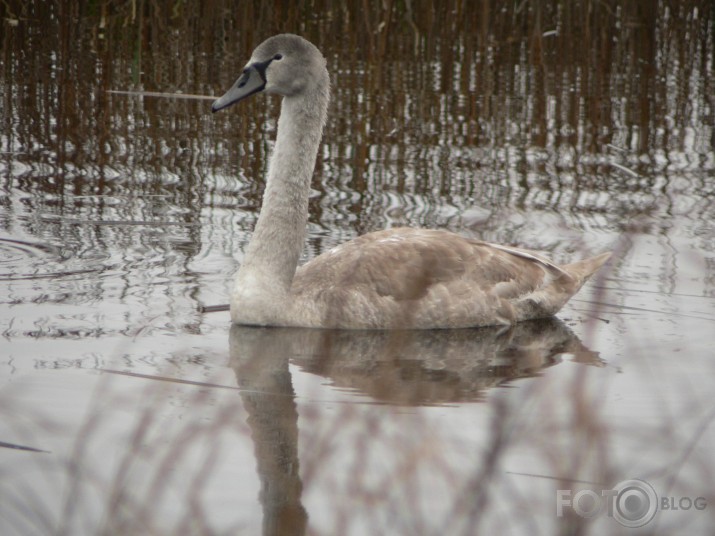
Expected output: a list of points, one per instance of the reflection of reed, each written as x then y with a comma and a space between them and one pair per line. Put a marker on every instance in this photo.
578, 74
511, 103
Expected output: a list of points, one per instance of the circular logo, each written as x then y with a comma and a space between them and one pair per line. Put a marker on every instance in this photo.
636, 503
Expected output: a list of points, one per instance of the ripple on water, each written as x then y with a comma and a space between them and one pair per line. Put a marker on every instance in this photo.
23, 260
15, 253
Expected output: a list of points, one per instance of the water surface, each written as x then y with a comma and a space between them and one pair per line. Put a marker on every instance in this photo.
566, 127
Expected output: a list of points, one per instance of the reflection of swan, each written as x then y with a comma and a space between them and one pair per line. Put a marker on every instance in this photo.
426, 366
407, 278
438, 366
260, 360
404, 367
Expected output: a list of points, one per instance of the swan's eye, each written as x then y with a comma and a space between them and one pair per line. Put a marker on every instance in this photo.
278, 57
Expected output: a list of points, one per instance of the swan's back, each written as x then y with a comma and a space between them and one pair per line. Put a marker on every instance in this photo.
420, 278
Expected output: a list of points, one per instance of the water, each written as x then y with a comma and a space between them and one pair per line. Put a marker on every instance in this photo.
571, 128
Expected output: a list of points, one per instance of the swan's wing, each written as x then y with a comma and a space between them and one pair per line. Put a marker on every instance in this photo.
418, 278
406, 264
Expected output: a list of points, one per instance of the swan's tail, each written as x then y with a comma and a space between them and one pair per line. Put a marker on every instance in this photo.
582, 270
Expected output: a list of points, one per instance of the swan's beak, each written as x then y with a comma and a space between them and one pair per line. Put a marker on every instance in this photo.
251, 81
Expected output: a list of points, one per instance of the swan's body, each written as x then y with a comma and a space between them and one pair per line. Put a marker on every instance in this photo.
397, 278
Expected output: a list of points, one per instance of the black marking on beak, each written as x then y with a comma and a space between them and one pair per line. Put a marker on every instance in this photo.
252, 80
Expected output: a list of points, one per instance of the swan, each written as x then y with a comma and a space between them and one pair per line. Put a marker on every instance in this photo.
400, 278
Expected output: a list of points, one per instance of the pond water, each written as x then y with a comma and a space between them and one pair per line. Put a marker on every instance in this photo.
125, 206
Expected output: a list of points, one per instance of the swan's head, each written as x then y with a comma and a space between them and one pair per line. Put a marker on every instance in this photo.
285, 64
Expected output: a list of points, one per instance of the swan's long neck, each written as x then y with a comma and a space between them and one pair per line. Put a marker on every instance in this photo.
273, 253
